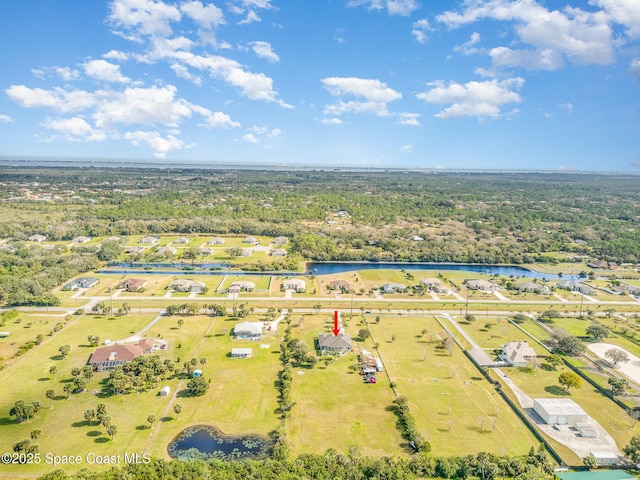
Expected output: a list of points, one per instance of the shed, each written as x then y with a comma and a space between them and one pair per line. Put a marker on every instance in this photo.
197, 373
241, 352
561, 411
165, 391
605, 457
4, 334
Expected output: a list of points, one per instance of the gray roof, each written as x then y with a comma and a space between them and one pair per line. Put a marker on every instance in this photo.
340, 341
559, 406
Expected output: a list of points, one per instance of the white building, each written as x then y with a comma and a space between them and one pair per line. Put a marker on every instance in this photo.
560, 411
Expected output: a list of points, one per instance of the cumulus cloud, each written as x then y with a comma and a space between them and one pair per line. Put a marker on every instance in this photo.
410, 119
406, 148
5, 118
57, 98
182, 72
264, 50
105, 71
250, 138
214, 119
473, 99
394, 7
419, 30
567, 107
143, 17
469, 47
65, 73
551, 37
373, 96
74, 129
116, 55
623, 12
159, 144
331, 121
207, 17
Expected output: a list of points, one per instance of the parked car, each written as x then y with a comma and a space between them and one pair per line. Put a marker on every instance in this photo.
370, 380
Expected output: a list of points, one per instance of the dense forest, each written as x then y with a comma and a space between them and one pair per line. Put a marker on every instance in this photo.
385, 216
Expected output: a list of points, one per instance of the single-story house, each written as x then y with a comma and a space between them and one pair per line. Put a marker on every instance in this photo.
280, 241
517, 353
341, 285
627, 289
165, 391
241, 352
168, 250
482, 285
81, 239
136, 249
575, 286
294, 284
233, 289
394, 287
561, 411
186, 285
82, 282
111, 356
245, 286
181, 241
204, 251
37, 238
533, 287
149, 240
433, 284
132, 284
246, 252
278, 252
250, 240
248, 330
334, 344
216, 241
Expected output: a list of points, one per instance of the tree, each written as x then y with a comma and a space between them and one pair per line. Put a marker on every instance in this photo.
617, 355
125, 309
364, 333
50, 394
470, 318
197, 386
36, 434
561, 341
89, 415
151, 419
590, 462
180, 322
52, 370
177, 408
68, 388
618, 386
569, 380
597, 331
203, 361
64, 350
554, 360
111, 431
632, 450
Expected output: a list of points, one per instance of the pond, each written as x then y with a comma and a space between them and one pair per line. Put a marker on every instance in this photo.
205, 442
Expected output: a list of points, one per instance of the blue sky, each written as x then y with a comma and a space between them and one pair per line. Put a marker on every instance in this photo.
496, 84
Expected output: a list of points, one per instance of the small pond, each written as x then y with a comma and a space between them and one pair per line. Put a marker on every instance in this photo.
205, 442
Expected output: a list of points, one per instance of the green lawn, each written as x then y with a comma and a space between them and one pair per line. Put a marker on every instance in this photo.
447, 395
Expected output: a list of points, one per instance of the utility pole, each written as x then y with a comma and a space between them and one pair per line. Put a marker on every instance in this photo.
581, 300
351, 304
466, 309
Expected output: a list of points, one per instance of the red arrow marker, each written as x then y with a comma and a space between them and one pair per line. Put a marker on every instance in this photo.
336, 328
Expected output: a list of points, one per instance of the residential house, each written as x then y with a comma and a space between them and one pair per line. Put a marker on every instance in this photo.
216, 241
280, 241
334, 344
394, 287
246, 252
627, 289
132, 284
37, 238
149, 240
241, 352
112, 356
234, 289
168, 250
186, 285
181, 241
82, 282
81, 239
248, 331
278, 252
482, 285
341, 285
533, 287
433, 285
294, 284
250, 240
132, 250
517, 353
204, 251
244, 286
575, 286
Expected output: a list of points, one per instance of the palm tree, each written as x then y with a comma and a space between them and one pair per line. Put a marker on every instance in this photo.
203, 360
177, 408
35, 434
88, 415
68, 388
151, 419
53, 370
112, 430
50, 394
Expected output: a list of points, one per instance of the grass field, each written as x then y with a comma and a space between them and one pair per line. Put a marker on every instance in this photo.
456, 408
334, 408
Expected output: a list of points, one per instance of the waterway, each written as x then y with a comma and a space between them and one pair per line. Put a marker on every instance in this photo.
204, 441
325, 268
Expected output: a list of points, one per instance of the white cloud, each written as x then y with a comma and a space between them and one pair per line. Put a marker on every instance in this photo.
116, 55
147, 106
469, 48
66, 73
473, 99
331, 121
182, 72
406, 148
394, 7
375, 95
250, 138
105, 71
275, 133
146, 17
623, 12
160, 146
567, 107
74, 129
252, 17
411, 119
553, 36
264, 50
5, 118
57, 98
214, 119
207, 17
419, 30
